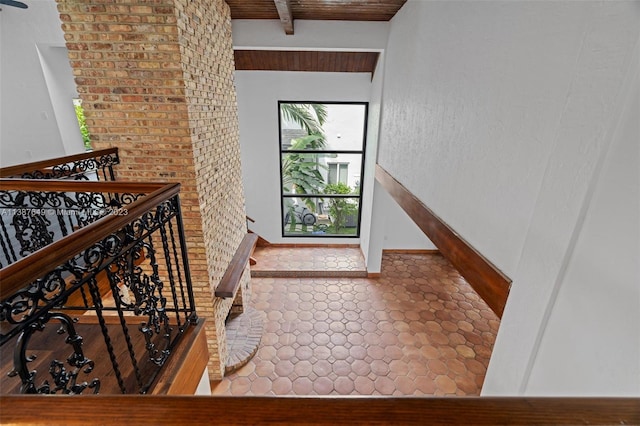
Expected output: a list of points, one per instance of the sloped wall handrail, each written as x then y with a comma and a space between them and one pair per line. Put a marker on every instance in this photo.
70, 166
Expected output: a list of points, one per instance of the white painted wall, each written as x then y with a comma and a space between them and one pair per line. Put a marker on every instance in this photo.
62, 90
258, 95
392, 229
204, 386
316, 35
384, 224
372, 222
30, 130
350, 36
401, 233
598, 293
495, 115
309, 35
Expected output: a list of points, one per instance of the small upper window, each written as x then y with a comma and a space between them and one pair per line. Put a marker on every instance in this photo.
338, 173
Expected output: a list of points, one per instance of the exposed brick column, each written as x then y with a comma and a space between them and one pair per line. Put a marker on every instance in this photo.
156, 80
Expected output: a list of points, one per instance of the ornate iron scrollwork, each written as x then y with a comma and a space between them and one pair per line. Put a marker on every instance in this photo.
146, 289
32, 233
77, 170
140, 261
38, 219
24, 304
64, 380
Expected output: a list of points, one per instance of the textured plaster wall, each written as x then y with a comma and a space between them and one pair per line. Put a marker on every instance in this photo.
384, 224
400, 232
495, 115
599, 292
473, 95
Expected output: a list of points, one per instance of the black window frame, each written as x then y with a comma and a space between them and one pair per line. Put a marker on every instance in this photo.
361, 152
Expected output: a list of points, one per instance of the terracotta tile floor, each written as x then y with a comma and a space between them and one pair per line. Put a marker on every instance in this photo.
419, 329
299, 262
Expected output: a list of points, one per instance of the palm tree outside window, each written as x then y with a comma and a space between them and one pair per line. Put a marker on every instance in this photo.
321, 158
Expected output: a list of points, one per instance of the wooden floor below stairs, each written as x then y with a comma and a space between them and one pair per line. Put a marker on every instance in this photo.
48, 345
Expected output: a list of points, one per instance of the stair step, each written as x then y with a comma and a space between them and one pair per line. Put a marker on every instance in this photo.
243, 332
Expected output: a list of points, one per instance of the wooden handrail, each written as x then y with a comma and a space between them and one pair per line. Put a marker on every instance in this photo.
183, 370
19, 274
231, 278
19, 169
112, 410
485, 278
55, 185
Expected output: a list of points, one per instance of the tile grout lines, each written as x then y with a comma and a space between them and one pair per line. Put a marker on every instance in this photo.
417, 330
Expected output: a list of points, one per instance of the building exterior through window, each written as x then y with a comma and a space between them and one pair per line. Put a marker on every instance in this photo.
321, 161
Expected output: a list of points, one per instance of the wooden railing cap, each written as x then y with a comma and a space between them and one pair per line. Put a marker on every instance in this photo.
19, 169
231, 279
319, 410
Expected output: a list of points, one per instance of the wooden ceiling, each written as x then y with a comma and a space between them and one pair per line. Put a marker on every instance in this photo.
334, 10
323, 61
287, 11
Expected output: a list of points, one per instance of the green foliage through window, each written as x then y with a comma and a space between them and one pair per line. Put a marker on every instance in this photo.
84, 131
340, 208
322, 159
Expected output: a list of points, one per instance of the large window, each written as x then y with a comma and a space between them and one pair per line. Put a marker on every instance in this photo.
321, 162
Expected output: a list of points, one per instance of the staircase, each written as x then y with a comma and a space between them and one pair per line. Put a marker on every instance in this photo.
97, 269
101, 302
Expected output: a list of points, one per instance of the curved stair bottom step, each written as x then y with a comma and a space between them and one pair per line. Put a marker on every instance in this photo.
244, 332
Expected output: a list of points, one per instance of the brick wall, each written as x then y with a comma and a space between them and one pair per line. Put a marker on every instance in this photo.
156, 80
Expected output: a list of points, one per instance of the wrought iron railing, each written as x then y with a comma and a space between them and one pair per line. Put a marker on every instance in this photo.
93, 165
31, 220
45, 219
118, 288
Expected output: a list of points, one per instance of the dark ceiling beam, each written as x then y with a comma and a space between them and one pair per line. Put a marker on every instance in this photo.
319, 61
286, 17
